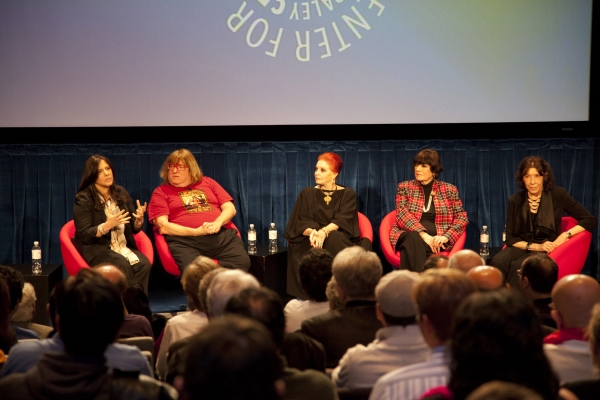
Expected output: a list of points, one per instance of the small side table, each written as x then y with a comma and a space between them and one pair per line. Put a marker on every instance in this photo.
270, 268
493, 252
43, 285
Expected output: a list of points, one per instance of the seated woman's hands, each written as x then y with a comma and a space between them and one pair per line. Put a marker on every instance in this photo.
122, 217
317, 238
436, 243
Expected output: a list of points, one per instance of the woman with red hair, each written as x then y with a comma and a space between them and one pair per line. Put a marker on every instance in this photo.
324, 216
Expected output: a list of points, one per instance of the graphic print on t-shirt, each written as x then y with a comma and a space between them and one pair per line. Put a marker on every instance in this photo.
195, 200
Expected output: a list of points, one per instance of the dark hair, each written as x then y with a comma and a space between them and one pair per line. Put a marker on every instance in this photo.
433, 260
431, 158
263, 305
542, 167
541, 271
90, 312
89, 177
136, 300
315, 272
7, 334
334, 161
498, 336
232, 358
15, 282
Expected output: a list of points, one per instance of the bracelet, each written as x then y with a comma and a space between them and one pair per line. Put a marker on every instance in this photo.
324, 229
101, 229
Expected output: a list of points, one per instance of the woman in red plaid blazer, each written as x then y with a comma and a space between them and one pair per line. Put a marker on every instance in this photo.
430, 217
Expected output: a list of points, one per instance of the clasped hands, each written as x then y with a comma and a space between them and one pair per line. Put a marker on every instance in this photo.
436, 243
123, 217
317, 238
210, 228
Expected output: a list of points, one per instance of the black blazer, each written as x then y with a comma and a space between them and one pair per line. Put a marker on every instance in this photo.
87, 219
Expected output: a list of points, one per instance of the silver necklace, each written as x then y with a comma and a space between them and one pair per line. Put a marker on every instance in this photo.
426, 209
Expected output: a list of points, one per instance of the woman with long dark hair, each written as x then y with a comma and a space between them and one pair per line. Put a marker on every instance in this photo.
105, 221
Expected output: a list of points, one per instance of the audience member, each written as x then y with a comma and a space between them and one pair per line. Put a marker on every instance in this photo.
187, 323
537, 277
266, 307
137, 302
15, 282
436, 261
7, 334
25, 355
233, 358
315, 272
464, 260
567, 349
399, 343
487, 278
333, 296
497, 336
588, 389
437, 295
90, 314
498, 390
133, 325
25, 311
357, 272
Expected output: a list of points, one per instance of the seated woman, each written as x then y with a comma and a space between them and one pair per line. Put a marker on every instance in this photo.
104, 225
420, 229
324, 216
533, 221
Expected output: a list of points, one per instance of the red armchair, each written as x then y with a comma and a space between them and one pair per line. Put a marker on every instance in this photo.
365, 227
392, 255
570, 257
165, 254
73, 260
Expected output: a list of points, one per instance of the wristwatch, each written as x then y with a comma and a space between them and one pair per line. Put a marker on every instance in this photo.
569, 234
528, 247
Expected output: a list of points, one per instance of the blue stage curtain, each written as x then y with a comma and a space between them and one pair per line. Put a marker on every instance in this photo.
39, 182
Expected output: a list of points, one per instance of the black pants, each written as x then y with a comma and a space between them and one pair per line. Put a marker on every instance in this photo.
413, 251
138, 272
225, 246
509, 261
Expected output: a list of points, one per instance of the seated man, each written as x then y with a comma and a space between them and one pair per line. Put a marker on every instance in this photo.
191, 210
15, 282
567, 349
397, 344
487, 278
438, 295
537, 277
356, 272
464, 260
90, 313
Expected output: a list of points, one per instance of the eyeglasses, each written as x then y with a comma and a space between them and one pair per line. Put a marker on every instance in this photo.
180, 167
520, 273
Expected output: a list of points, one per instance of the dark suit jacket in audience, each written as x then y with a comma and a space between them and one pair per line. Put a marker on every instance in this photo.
338, 330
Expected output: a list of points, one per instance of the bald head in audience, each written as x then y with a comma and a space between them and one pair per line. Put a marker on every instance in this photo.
114, 275
464, 260
487, 278
574, 297
224, 286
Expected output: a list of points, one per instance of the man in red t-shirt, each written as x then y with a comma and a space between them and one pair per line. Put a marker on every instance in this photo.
190, 210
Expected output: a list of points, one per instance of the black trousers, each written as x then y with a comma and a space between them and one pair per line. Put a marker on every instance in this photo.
413, 251
138, 272
224, 246
509, 261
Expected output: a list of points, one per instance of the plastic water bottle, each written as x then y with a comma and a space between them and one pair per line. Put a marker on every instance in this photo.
251, 240
272, 238
36, 259
504, 235
484, 243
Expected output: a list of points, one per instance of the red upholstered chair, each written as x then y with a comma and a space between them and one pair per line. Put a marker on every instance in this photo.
73, 260
165, 254
392, 255
570, 257
365, 227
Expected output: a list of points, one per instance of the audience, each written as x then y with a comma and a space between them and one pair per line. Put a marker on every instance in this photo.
90, 314
357, 272
437, 295
266, 307
137, 302
333, 296
315, 273
15, 282
26, 355
233, 358
487, 278
7, 334
464, 260
399, 343
187, 323
567, 349
435, 261
537, 277
25, 311
498, 390
133, 324
589, 389
496, 336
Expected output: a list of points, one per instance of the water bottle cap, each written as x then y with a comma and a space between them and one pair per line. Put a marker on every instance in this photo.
272, 224
251, 225
36, 243
485, 227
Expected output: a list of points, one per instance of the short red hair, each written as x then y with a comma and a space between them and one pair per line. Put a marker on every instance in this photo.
333, 160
